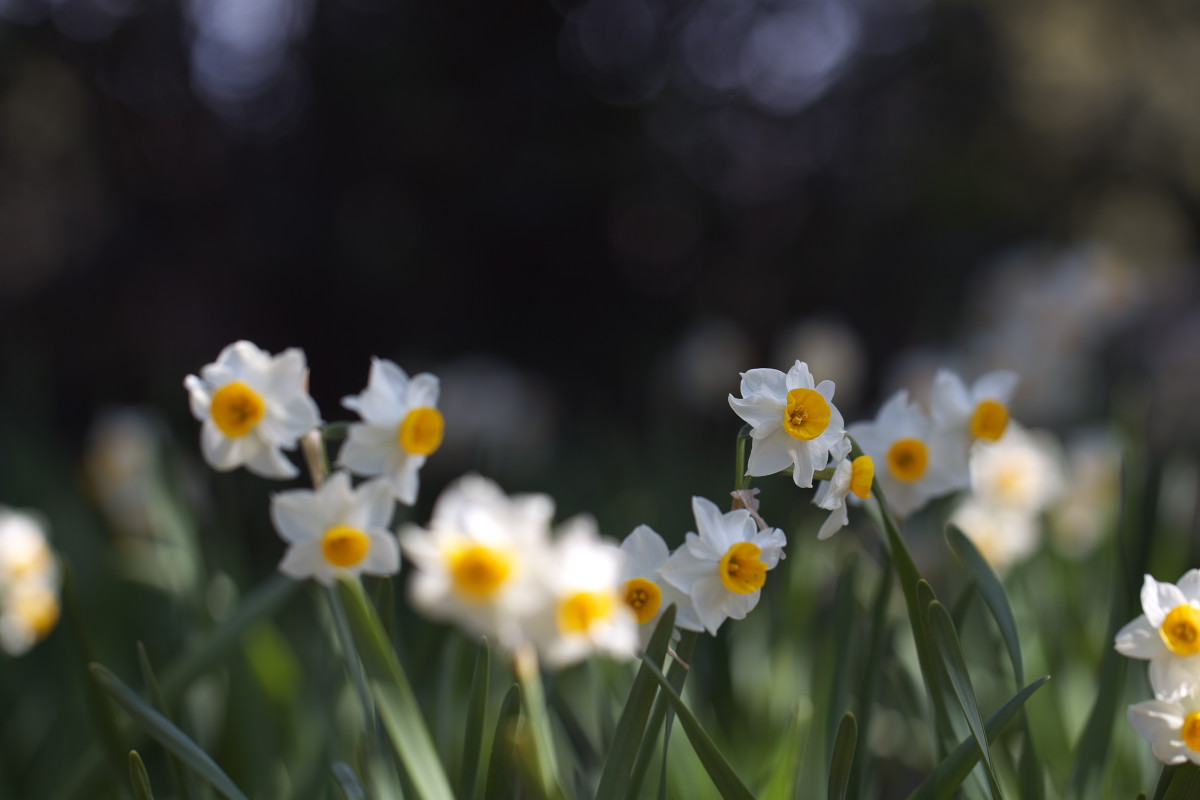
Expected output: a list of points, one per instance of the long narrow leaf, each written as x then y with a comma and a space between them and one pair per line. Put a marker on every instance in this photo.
1164, 780
992, 592
165, 732
723, 777
139, 778
676, 675
1185, 783
348, 782
178, 773
476, 711
865, 700
842, 763
501, 775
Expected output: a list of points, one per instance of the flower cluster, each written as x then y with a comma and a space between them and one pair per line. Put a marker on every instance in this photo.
29, 582
1167, 634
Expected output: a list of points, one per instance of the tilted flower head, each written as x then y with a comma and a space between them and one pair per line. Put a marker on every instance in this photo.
644, 591
980, 412
914, 461
1172, 727
29, 582
253, 406
1167, 634
585, 612
723, 567
1020, 472
478, 563
401, 427
849, 476
337, 531
795, 423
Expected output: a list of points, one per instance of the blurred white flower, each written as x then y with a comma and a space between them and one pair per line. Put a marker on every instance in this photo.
978, 413
336, 531
794, 421
1003, 536
1022, 472
252, 406
724, 566
1172, 727
1081, 517
850, 476
1167, 634
29, 582
646, 594
401, 427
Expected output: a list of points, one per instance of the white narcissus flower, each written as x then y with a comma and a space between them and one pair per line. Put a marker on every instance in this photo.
794, 422
644, 591
849, 476
401, 427
1167, 634
478, 563
253, 406
1020, 472
1172, 727
914, 461
29, 582
337, 531
1003, 536
978, 413
723, 567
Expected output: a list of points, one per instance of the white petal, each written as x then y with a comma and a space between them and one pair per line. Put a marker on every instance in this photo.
367, 449
1139, 639
799, 377
383, 557
764, 413
296, 515
1158, 599
645, 551
372, 506
949, 401
199, 397
1189, 584
683, 570
423, 391
804, 463
769, 456
301, 559
836, 521
223, 453
998, 385
1172, 677
764, 383
708, 597
270, 462
1159, 723
403, 474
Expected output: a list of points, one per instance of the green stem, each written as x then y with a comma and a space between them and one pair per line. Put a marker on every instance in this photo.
740, 479
541, 755
355, 669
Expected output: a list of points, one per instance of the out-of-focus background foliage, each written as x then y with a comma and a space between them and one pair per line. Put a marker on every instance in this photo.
587, 218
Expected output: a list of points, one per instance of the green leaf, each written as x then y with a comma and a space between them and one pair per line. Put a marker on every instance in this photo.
347, 781
993, 595
1164, 780
178, 773
960, 680
1185, 783
476, 711
676, 675
723, 777
165, 732
869, 680
394, 698
501, 775
842, 763
631, 726
944, 781
139, 778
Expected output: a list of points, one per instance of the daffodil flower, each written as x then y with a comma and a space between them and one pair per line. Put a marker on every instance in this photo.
850, 476
979, 413
724, 566
29, 582
252, 406
794, 421
1172, 727
1167, 635
336, 531
401, 427
646, 594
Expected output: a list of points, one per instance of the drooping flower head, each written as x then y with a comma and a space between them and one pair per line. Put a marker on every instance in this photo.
850, 476
479, 561
253, 406
336, 531
29, 582
914, 461
794, 421
1167, 634
646, 594
401, 427
976, 414
724, 566
1172, 727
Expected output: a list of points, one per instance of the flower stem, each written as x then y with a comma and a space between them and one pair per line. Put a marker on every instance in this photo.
740, 479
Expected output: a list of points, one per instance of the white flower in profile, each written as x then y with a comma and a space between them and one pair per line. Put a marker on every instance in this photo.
478, 563
723, 567
586, 612
29, 582
30, 611
1172, 727
915, 462
850, 476
336, 531
1167, 635
794, 422
401, 427
1021, 472
252, 405
646, 594
979, 413
24, 549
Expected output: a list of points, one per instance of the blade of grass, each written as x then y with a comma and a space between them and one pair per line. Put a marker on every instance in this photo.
347, 781
178, 773
138, 777
842, 763
1164, 780
1185, 783
502, 774
992, 592
865, 699
165, 732
676, 675
476, 711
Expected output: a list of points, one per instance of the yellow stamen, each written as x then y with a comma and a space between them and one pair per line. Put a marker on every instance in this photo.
908, 459
742, 571
344, 546
582, 610
478, 571
862, 475
236, 409
421, 431
989, 420
1191, 730
644, 597
807, 414
1181, 630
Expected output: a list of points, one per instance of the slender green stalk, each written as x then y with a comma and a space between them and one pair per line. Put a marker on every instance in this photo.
541, 754
355, 670
740, 479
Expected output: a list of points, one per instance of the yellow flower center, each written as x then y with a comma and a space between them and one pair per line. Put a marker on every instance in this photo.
989, 420
807, 414
742, 571
580, 611
479, 571
236, 409
1181, 630
421, 431
644, 597
862, 475
344, 546
1191, 730
38, 608
908, 459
